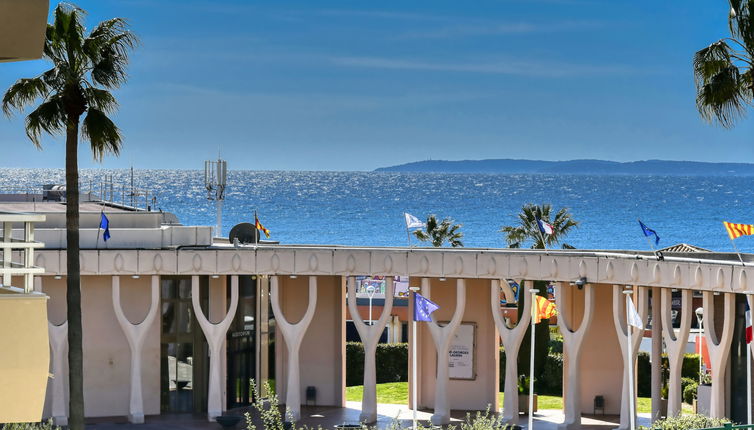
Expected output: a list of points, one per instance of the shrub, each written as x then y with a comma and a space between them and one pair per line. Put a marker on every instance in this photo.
552, 377
391, 363
687, 422
643, 375
689, 392
45, 425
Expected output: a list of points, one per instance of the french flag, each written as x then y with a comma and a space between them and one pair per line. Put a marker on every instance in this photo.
748, 323
544, 227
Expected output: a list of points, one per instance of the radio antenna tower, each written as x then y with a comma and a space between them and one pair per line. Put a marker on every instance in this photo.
215, 179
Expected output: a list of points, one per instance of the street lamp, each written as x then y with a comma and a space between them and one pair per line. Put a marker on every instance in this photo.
699, 317
370, 292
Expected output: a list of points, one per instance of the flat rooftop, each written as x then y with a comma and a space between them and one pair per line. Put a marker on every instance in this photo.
56, 207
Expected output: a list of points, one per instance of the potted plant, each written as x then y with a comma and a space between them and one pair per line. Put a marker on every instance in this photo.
664, 400
523, 395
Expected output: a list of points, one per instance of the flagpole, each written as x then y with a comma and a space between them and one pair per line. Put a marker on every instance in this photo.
531, 357
748, 367
629, 362
414, 398
737, 252
408, 233
99, 227
748, 382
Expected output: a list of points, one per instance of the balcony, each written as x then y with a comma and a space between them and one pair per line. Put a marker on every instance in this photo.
24, 342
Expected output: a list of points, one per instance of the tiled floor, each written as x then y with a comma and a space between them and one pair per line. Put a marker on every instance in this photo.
327, 417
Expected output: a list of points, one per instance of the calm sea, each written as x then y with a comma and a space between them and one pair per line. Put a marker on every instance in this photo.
364, 208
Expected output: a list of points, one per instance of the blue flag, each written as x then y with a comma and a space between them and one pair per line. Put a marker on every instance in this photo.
104, 224
649, 232
423, 307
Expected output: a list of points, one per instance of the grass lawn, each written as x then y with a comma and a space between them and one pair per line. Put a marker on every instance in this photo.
397, 393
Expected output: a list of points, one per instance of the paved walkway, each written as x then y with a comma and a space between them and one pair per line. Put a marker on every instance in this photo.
327, 417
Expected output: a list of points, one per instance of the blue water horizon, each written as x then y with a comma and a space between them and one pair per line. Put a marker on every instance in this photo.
366, 208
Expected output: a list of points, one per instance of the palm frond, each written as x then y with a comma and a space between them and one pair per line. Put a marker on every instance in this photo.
723, 97
108, 46
100, 99
102, 133
48, 117
23, 93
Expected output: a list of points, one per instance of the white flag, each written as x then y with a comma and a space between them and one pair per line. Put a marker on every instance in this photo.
633, 316
412, 221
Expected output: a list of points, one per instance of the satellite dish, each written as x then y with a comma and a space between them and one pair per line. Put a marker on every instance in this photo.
244, 232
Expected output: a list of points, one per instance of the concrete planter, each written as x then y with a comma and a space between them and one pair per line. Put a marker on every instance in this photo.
523, 403
703, 396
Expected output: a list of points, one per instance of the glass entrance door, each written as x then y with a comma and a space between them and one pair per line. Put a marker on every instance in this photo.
183, 355
241, 344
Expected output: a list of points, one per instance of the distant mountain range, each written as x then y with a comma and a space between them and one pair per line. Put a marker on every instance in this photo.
576, 167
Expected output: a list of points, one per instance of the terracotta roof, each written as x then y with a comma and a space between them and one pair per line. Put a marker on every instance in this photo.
683, 247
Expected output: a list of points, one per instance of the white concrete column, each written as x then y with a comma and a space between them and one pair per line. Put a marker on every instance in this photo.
675, 344
572, 341
215, 335
511, 337
397, 329
718, 348
656, 354
442, 337
370, 336
619, 318
59, 360
136, 334
293, 334
59, 357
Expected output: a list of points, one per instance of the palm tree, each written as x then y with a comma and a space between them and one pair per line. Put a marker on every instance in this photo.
723, 70
440, 232
84, 68
528, 229
516, 236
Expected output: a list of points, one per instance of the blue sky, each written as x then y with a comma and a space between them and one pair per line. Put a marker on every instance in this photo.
355, 85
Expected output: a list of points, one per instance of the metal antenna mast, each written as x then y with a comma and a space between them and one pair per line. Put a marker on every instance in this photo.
215, 179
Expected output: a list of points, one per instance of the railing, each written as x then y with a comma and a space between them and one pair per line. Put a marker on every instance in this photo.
25, 245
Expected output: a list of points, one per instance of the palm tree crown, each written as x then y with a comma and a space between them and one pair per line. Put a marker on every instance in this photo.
440, 232
84, 67
528, 229
723, 70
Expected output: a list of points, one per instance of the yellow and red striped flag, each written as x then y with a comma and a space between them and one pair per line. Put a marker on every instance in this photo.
738, 230
543, 309
260, 227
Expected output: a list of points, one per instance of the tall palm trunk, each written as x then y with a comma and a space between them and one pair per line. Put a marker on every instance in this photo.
73, 291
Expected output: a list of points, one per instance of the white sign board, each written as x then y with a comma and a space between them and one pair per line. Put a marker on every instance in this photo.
461, 353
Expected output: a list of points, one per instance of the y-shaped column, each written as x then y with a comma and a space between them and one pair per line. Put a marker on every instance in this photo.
511, 338
619, 318
572, 340
59, 349
370, 336
59, 358
675, 344
293, 334
719, 348
215, 335
442, 337
136, 334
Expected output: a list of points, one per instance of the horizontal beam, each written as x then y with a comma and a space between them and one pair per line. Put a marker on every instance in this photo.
561, 266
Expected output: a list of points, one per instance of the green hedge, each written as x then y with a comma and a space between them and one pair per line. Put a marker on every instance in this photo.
551, 381
392, 366
391, 359
689, 371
